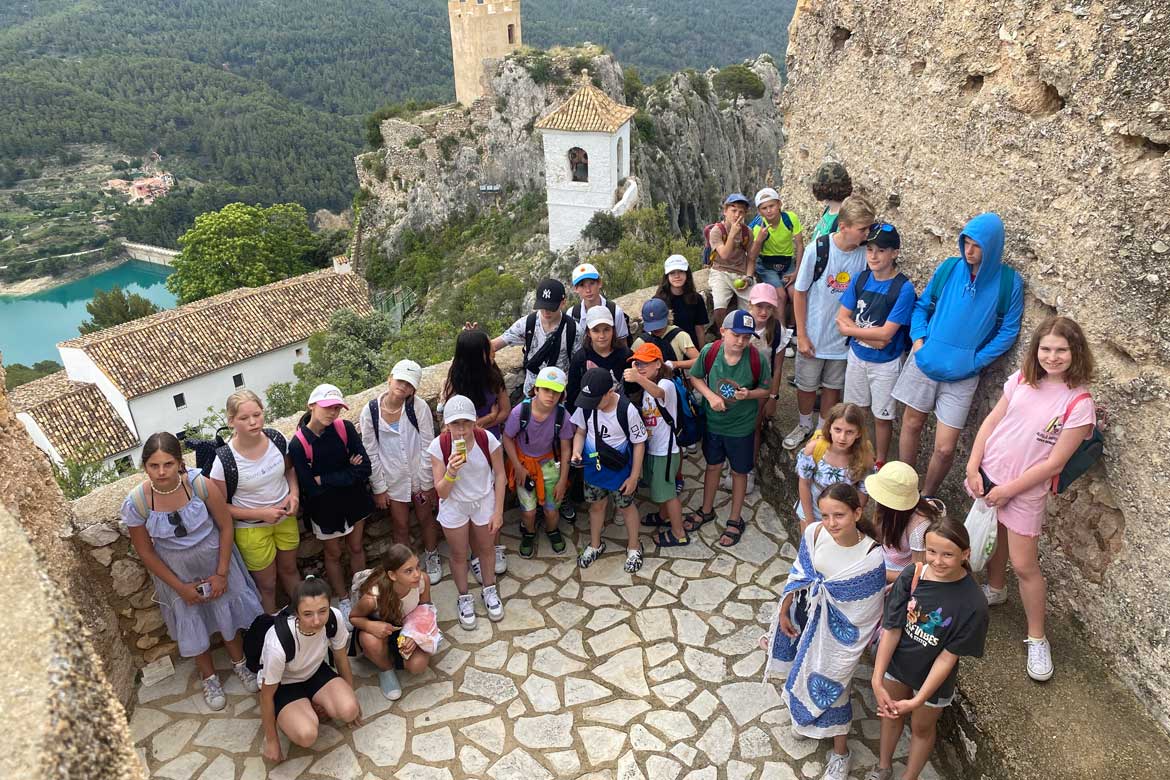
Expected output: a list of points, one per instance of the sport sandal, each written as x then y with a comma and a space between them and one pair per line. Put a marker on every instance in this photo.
693, 522
666, 538
733, 532
527, 544
556, 539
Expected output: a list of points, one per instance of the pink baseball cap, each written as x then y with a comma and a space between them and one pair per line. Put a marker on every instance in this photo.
762, 292
327, 395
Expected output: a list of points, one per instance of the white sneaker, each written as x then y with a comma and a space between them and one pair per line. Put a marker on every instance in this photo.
434, 566
994, 597
247, 678
633, 561
344, 607
501, 559
751, 483
692, 449
837, 766
1039, 659
213, 693
473, 564
797, 436
491, 602
467, 611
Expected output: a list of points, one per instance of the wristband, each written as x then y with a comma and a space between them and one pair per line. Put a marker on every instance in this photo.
447, 476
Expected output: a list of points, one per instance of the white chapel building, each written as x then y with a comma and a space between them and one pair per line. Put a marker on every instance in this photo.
586, 155
163, 371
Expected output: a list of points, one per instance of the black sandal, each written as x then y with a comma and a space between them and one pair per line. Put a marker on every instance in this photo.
653, 520
696, 520
668, 539
734, 532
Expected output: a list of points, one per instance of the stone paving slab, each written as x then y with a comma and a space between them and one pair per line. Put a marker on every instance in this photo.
592, 674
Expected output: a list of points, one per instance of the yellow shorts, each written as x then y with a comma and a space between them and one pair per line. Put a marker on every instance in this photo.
258, 544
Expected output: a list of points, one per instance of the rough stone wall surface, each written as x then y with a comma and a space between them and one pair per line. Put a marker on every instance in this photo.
1055, 116
29, 492
702, 149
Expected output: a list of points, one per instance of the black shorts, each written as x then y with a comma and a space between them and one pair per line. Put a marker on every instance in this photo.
778, 263
396, 659
287, 693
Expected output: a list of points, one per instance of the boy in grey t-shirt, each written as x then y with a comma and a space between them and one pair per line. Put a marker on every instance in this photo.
821, 350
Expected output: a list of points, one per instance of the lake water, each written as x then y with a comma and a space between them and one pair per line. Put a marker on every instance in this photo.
31, 326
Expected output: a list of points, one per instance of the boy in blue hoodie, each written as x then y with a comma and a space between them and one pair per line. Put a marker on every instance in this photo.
968, 316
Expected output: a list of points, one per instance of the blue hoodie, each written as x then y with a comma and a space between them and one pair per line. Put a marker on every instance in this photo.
961, 338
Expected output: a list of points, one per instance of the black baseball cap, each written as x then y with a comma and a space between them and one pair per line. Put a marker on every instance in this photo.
594, 385
550, 294
883, 235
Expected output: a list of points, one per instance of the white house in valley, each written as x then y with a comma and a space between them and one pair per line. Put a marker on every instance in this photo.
586, 162
162, 372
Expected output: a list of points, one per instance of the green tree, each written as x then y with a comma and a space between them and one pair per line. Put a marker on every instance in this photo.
736, 81
241, 246
113, 307
18, 374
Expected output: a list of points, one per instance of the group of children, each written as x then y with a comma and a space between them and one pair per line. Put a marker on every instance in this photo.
601, 419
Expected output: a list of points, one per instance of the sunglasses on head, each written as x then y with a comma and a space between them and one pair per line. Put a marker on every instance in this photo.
177, 521
879, 227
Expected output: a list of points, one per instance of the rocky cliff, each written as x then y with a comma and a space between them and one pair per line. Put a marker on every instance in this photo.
691, 148
1054, 115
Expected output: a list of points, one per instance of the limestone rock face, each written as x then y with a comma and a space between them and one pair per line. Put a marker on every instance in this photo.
1055, 116
436, 165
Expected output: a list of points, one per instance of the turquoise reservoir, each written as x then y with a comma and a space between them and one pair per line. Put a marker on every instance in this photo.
31, 325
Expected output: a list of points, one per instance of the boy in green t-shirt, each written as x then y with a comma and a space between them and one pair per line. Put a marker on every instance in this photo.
732, 390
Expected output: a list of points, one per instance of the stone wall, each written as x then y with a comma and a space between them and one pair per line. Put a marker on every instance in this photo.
123, 580
1054, 116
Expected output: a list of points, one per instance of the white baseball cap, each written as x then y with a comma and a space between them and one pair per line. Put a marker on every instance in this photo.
459, 407
585, 271
765, 195
676, 263
598, 315
327, 395
407, 371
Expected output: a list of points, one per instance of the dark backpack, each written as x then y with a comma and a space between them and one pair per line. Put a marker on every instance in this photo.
663, 342
227, 459
891, 296
754, 361
1007, 281
822, 259
205, 449
526, 417
757, 221
553, 343
376, 413
745, 240
255, 634
445, 444
577, 314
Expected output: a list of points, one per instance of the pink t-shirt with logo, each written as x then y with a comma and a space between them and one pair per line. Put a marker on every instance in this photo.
1024, 437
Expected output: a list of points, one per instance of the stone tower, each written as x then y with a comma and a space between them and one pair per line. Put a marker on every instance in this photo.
586, 154
480, 29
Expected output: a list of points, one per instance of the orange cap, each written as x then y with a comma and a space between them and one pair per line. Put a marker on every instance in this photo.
646, 353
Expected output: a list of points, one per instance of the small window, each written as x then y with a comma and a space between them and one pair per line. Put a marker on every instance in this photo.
300, 351
238, 380
180, 401
579, 164
620, 158
511, 34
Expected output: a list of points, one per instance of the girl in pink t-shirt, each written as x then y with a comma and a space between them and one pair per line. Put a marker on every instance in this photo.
1043, 416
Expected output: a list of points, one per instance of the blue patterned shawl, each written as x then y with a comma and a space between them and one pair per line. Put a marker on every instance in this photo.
818, 665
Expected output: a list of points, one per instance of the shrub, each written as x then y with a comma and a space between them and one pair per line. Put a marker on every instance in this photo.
447, 146
644, 124
632, 86
736, 81
604, 228
414, 141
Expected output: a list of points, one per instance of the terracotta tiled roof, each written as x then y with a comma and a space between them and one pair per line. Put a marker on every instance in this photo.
145, 355
588, 110
75, 417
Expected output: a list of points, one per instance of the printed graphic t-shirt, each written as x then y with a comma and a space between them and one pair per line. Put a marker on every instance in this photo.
901, 313
1028, 431
825, 296
740, 417
612, 434
939, 616
656, 426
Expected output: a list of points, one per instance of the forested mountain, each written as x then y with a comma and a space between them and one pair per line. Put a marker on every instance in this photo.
269, 94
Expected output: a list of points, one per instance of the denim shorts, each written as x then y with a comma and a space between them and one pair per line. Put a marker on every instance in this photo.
736, 450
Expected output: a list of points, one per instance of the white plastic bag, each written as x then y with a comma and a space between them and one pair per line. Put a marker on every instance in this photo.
982, 526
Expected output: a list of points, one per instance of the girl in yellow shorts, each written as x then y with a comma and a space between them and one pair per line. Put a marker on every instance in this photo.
255, 475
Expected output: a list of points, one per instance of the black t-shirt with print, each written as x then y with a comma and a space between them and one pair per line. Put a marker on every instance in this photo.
688, 315
946, 616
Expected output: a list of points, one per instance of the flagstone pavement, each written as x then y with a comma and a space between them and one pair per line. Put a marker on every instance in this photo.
591, 674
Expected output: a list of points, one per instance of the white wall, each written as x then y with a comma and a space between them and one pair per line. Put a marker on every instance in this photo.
38, 436
156, 411
572, 204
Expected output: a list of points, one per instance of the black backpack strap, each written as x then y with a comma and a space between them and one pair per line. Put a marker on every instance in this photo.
623, 415
570, 338
284, 634
529, 331
822, 258
231, 473
672, 427
557, 424
375, 413
331, 624
525, 417
411, 413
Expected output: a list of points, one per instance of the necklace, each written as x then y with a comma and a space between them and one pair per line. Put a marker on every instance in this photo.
394, 411
302, 633
155, 488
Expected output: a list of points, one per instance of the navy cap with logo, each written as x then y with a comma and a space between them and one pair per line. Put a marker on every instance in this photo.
550, 294
739, 321
594, 385
883, 235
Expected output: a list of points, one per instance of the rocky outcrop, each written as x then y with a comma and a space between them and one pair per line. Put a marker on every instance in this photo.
1055, 116
692, 149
